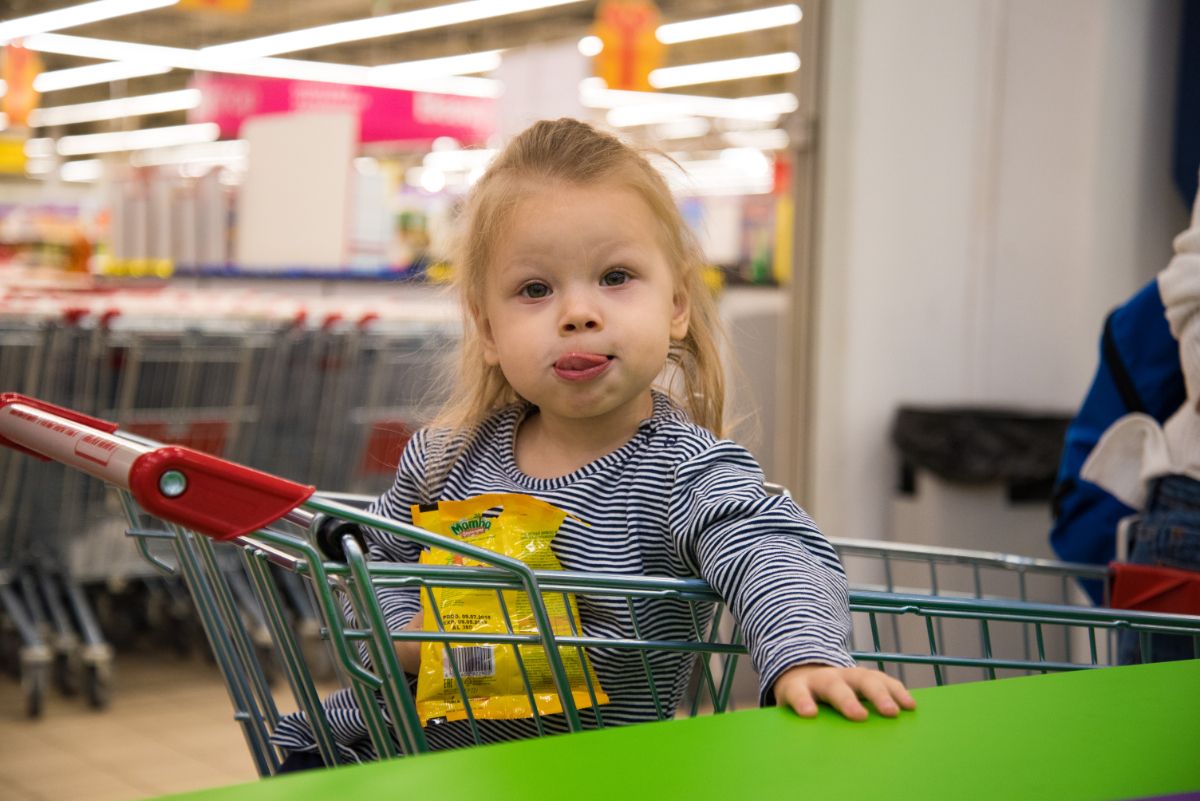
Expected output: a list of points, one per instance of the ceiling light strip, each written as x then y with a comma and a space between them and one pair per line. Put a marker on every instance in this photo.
594, 94
466, 64
118, 141
728, 24
140, 59
158, 103
39, 148
230, 151
111, 50
81, 171
74, 77
374, 27
727, 70
75, 15
644, 108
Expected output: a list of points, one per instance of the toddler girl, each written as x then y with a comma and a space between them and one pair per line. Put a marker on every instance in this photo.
580, 283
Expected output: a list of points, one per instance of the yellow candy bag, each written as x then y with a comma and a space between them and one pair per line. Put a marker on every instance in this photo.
520, 527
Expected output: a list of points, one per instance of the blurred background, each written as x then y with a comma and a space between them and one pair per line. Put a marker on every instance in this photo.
224, 223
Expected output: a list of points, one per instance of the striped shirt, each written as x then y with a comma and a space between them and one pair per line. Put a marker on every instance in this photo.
673, 501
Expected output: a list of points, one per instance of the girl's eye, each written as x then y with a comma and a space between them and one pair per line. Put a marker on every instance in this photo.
614, 278
535, 290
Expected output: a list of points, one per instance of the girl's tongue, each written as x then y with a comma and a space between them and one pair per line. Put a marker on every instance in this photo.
581, 366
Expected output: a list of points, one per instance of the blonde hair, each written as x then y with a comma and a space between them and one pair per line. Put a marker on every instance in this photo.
570, 151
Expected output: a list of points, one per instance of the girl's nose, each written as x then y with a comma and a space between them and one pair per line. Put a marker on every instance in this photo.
579, 315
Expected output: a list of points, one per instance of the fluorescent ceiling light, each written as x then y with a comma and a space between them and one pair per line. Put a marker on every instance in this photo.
39, 148
230, 151
138, 140
3, 87
593, 93
110, 50
157, 103
75, 15
711, 27
767, 139
39, 166
373, 27
466, 64
156, 58
727, 24
93, 74
727, 70
630, 116
353, 75
89, 170
683, 128
647, 108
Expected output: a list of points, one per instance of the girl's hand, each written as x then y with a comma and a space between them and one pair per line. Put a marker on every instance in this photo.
802, 687
409, 652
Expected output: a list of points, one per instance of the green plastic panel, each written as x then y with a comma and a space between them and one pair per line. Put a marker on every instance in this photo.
1112, 733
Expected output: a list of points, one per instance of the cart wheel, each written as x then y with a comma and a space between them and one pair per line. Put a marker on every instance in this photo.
97, 686
66, 673
33, 683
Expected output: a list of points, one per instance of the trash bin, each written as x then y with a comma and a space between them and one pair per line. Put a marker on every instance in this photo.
976, 478
966, 446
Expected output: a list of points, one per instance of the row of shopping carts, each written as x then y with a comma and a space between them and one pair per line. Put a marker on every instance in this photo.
320, 389
933, 616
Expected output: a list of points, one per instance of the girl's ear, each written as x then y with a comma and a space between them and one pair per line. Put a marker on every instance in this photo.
490, 355
681, 315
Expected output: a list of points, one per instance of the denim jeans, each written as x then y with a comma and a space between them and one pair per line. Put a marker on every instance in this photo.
1165, 534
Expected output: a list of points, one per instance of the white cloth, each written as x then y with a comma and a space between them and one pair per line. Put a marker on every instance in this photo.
1136, 449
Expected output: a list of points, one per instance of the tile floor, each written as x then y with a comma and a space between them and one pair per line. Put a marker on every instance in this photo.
169, 729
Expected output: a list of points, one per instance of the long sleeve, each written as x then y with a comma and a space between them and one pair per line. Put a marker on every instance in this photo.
399, 605
766, 558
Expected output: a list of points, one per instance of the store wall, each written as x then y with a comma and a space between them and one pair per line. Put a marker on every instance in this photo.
994, 177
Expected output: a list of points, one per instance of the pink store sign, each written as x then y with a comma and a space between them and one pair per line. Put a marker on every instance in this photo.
384, 115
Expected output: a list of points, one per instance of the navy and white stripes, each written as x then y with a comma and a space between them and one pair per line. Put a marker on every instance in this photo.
673, 501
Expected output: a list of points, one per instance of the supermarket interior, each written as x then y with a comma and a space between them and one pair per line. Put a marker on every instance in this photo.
947, 243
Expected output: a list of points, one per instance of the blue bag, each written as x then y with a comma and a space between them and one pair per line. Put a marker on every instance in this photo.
1138, 372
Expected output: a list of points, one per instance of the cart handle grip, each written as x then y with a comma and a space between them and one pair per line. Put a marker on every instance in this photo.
7, 398
217, 498
220, 499
328, 534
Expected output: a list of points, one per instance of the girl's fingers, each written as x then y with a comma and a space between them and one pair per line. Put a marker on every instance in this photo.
900, 693
885, 693
801, 699
880, 694
842, 697
842, 689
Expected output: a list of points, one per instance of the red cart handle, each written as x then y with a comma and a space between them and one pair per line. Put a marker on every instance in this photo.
67, 414
218, 498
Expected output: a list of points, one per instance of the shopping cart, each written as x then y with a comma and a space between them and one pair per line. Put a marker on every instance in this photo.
359, 382
23, 642
191, 499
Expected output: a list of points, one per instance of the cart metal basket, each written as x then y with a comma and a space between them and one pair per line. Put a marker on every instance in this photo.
195, 505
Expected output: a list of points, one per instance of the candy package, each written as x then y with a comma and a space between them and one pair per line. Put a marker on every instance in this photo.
520, 527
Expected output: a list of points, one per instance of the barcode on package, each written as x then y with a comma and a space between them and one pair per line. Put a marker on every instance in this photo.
473, 661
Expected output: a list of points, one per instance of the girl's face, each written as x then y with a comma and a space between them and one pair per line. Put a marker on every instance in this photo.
581, 304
